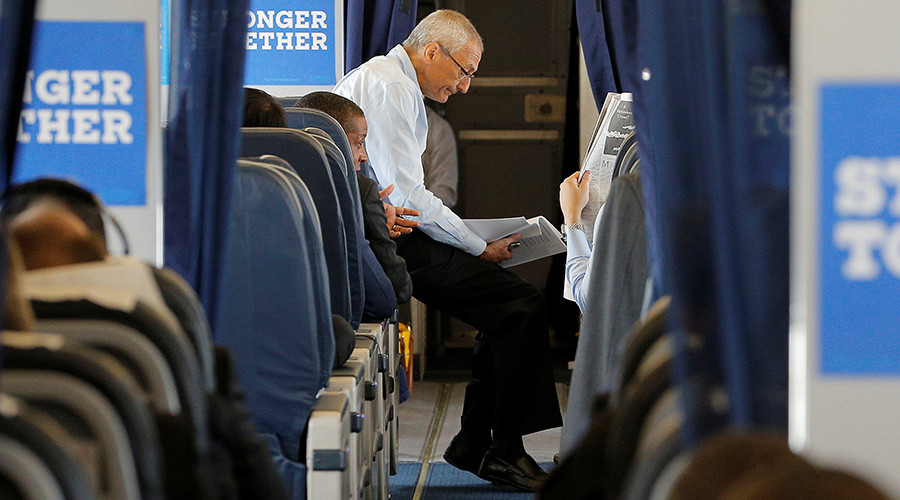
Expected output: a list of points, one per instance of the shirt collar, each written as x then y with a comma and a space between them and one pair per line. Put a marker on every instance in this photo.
406, 65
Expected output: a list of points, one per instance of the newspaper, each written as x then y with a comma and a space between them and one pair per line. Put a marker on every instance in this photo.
539, 238
616, 121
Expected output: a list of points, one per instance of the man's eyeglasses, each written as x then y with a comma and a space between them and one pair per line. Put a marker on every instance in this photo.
466, 74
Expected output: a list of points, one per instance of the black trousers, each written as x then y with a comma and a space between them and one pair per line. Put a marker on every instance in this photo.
512, 391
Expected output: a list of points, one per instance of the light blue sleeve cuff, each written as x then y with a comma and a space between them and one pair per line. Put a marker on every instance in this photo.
474, 244
577, 243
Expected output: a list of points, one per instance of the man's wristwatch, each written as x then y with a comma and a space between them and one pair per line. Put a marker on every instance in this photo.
565, 228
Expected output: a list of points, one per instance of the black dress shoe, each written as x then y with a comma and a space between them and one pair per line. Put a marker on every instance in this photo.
465, 453
524, 473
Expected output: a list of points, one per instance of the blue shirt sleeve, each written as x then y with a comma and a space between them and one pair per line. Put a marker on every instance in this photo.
579, 260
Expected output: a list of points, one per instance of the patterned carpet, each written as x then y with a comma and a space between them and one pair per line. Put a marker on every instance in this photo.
446, 482
403, 485
427, 423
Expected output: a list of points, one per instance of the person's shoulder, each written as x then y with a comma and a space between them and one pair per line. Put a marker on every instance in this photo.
375, 81
365, 184
380, 67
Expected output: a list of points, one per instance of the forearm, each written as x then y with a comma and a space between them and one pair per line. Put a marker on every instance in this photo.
578, 253
440, 223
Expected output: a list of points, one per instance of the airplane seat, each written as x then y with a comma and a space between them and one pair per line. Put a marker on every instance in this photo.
38, 444
97, 401
337, 162
167, 293
134, 351
23, 475
174, 300
182, 300
328, 452
301, 118
394, 390
665, 480
350, 203
659, 352
318, 122
96, 420
372, 341
649, 466
364, 261
371, 439
307, 158
141, 332
350, 379
348, 195
632, 412
287, 102
312, 229
313, 120
268, 316
278, 328
640, 339
632, 431
335, 143
627, 160
119, 307
658, 446
189, 427
336, 380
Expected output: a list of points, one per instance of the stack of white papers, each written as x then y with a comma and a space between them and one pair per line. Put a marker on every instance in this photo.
539, 238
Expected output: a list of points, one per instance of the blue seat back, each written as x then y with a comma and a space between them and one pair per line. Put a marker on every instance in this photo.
268, 314
307, 157
301, 118
318, 271
287, 102
350, 201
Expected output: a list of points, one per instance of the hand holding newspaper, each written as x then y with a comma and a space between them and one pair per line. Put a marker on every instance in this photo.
615, 123
539, 237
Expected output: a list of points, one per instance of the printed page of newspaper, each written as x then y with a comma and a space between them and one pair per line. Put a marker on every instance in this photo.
615, 123
604, 110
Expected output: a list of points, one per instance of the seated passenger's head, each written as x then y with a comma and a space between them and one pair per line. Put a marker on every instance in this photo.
47, 222
799, 481
77, 200
49, 234
262, 110
347, 113
725, 458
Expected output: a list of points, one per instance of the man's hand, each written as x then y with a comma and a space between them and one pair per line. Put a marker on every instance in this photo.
573, 196
499, 251
396, 224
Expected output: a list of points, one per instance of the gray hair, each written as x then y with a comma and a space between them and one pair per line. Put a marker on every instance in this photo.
447, 27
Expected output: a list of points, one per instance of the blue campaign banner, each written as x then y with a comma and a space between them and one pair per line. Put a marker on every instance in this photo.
859, 243
291, 43
84, 113
164, 41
